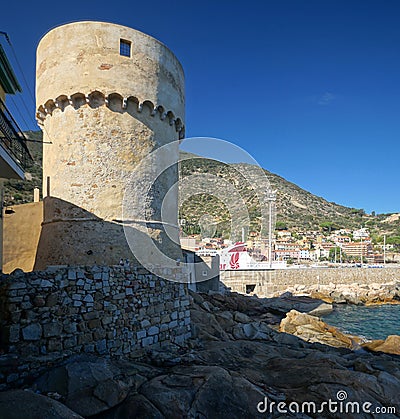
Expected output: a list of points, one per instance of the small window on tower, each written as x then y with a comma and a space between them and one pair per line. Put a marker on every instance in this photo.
124, 48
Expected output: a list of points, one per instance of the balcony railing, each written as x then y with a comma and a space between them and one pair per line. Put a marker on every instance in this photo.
12, 138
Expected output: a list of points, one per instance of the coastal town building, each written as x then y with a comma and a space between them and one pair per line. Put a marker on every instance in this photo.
344, 231
313, 246
283, 234
281, 255
286, 246
361, 233
322, 250
304, 254
340, 239
358, 249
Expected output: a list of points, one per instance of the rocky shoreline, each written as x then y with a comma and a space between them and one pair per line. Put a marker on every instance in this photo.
313, 329
356, 293
236, 359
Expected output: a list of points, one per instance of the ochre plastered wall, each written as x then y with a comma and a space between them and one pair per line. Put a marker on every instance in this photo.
21, 235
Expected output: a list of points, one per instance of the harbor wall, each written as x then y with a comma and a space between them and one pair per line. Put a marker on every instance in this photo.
266, 283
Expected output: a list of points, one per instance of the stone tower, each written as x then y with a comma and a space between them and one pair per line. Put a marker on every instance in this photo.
107, 97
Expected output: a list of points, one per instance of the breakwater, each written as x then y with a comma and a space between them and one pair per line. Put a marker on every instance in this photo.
267, 283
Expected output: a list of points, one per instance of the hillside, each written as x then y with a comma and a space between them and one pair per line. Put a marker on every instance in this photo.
296, 209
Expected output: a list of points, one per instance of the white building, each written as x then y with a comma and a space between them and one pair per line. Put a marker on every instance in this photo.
362, 233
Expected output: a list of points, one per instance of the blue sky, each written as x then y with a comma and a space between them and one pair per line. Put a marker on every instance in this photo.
311, 89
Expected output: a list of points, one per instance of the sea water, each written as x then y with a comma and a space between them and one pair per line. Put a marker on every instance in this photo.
371, 322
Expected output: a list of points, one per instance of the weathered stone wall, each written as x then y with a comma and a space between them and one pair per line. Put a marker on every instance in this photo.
268, 283
103, 114
74, 57
103, 310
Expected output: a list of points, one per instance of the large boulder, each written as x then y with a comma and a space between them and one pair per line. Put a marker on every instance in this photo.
257, 307
391, 345
312, 329
87, 386
203, 392
307, 372
18, 404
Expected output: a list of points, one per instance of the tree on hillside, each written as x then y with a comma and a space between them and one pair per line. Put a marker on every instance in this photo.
376, 238
329, 226
280, 225
358, 211
395, 240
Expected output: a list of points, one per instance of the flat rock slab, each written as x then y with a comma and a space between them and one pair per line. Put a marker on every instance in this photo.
303, 304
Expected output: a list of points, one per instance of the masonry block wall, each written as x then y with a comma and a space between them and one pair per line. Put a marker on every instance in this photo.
103, 310
274, 282
104, 113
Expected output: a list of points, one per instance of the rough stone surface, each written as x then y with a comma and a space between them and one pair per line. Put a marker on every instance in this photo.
32, 332
18, 404
339, 285
102, 322
134, 407
88, 386
108, 112
312, 329
391, 345
225, 376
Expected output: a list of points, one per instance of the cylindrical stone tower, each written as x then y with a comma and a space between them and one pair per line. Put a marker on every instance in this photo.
107, 97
